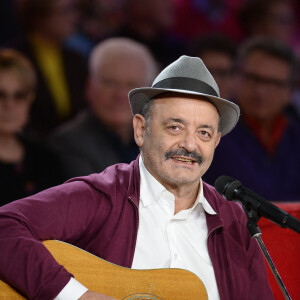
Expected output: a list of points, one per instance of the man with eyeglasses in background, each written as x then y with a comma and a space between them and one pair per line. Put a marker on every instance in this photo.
263, 150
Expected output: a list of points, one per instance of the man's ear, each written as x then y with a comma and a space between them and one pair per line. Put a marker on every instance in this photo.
139, 127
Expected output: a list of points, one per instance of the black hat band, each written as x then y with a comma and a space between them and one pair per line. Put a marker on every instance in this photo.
188, 84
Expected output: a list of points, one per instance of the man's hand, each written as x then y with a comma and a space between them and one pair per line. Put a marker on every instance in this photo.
89, 295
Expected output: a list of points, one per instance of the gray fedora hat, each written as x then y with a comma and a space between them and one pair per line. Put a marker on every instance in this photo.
187, 75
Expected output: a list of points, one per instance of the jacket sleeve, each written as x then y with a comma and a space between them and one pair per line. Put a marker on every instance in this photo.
61, 213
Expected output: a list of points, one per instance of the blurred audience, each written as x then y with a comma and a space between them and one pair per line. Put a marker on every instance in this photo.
268, 18
61, 72
57, 36
9, 23
98, 20
198, 17
103, 135
25, 167
275, 19
218, 52
263, 150
149, 22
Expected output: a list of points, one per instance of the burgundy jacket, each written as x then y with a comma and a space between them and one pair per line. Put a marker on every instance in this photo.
99, 213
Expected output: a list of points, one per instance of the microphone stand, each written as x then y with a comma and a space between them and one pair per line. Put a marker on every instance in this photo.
255, 233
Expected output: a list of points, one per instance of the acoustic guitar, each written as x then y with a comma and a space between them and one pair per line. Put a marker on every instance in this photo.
121, 283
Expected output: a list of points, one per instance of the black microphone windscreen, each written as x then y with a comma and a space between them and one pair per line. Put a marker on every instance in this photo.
226, 185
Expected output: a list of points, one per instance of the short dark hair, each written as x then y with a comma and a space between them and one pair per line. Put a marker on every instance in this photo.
272, 47
146, 110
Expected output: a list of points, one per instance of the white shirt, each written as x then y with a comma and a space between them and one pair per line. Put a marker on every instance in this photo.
166, 240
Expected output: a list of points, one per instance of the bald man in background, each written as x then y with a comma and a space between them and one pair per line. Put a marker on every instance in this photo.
103, 135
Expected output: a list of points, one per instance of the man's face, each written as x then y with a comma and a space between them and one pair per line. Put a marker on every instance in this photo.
279, 21
61, 21
107, 91
179, 142
263, 87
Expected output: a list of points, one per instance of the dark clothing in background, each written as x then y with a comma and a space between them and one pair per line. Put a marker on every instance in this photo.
37, 171
275, 177
9, 23
85, 146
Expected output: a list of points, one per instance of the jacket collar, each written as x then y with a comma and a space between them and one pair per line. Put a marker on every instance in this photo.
213, 220
134, 182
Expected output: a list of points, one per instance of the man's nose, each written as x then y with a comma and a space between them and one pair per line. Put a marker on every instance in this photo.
188, 141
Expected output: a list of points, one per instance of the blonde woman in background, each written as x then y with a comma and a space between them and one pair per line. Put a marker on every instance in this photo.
25, 166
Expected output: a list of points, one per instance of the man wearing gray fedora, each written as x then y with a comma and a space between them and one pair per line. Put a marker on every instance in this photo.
155, 212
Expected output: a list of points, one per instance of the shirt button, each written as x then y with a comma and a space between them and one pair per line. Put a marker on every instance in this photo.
175, 256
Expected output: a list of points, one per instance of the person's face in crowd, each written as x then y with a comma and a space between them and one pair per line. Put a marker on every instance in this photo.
156, 13
105, 18
107, 90
15, 101
180, 139
220, 66
279, 21
263, 88
61, 20
161, 13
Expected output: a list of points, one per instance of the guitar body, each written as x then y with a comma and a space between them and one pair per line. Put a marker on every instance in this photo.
101, 276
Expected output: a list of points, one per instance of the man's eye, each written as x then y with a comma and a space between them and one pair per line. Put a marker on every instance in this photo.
174, 128
205, 134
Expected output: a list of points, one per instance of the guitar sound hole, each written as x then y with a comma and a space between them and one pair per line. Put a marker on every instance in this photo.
142, 296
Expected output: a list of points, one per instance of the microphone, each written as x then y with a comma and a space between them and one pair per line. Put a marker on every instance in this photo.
232, 190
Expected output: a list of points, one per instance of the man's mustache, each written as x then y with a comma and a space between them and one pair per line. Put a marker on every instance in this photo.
185, 153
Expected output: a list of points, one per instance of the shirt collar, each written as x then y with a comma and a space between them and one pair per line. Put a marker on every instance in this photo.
151, 190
